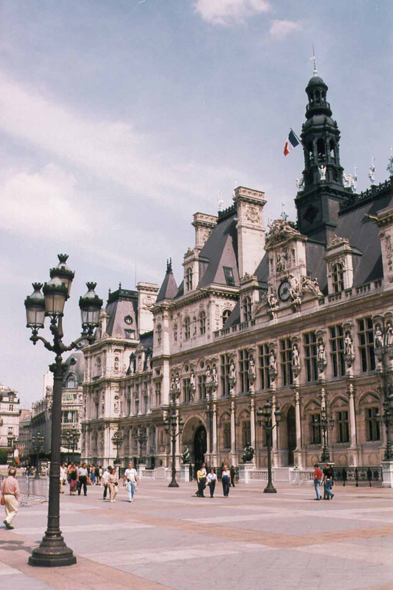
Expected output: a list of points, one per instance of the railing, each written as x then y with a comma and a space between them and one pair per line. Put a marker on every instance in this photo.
374, 191
358, 475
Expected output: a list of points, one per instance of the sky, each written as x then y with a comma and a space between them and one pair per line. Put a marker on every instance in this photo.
119, 120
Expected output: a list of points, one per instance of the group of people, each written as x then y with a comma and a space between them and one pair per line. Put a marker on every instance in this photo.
210, 479
324, 477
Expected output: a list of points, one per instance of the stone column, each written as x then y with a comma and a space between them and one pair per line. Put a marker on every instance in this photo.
233, 432
214, 428
252, 422
298, 451
275, 432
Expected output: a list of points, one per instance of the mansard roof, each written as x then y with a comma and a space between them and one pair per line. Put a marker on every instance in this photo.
168, 288
122, 309
75, 366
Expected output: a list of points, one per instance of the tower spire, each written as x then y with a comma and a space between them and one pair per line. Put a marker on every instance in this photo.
315, 71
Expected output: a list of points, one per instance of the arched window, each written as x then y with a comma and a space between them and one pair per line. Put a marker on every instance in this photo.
159, 334
247, 309
338, 278
225, 315
321, 151
71, 384
317, 97
202, 323
187, 328
189, 279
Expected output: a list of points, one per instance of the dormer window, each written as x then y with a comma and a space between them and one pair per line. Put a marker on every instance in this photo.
338, 278
202, 323
71, 383
225, 315
189, 279
229, 277
247, 307
187, 328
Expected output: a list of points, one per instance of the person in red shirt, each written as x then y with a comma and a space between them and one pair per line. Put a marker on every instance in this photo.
317, 480
10, 493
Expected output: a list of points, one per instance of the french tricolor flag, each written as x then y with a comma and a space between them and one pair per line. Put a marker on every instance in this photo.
291, 142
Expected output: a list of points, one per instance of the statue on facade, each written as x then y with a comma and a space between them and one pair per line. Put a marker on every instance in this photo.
322, 172
208, 375
300, 183
192, 380
389, 167
186, 456
214, 375
294, 290
378, 336
295, 355
232, 371
389, 334
371, 172
348, 345
272, 361
311, 285
251, 367
321, 354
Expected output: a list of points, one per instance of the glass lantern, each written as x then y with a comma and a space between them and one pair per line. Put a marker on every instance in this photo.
35, 308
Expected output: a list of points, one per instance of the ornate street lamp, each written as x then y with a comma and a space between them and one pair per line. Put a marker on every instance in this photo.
266, 415
38, 448
142, 439
72, 437
117, 440
326, 425
53, 552
174, 427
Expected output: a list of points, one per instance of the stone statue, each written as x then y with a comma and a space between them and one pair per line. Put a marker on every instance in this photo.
389, 167
214, 375
177, 382
300, 183
321, 354
232, 371
348, 344
378, 337
192, 380
322, 172
295, 356
251, 367
294, 290
272, 301
208, 375
389, 334
272, 361
371, 172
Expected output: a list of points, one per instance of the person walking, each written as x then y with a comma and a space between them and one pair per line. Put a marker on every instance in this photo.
63, 477
130, 479
211, 481
97, 475
73, 476
201, 479
10, 497
82, 477
233, 474
226, 480
113, 484
105, 482
317, 480
328, 482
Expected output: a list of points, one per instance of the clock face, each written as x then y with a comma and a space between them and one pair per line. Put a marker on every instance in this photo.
283, 291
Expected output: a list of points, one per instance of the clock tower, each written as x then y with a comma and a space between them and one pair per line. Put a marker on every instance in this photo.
322, 188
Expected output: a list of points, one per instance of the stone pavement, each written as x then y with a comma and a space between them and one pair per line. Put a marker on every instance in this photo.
168, 538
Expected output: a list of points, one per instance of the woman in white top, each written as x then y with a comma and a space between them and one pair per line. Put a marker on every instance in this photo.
211, 481
226, 480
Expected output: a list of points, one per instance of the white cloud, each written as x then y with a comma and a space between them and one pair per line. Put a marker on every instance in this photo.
281, 28
230, 12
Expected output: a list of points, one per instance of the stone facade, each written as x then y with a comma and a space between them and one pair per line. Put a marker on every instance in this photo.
9, 417
263, 313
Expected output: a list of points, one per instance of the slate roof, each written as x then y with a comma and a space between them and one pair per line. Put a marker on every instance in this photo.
76, 366
168, 288
122, 304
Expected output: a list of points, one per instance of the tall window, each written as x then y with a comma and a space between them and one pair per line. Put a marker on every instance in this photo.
202, 386
159, 335
337, 350
342, 423
338, 278
316, 429
227, 435
11, 408
175, 332
189, 279
366, 344
158, 393
187, 328
310, 356
246, 432
263, 358
372, 424
243, 370
225, 362
286, 361
225, 315
202, 323
186, 389
137, 407
247, 309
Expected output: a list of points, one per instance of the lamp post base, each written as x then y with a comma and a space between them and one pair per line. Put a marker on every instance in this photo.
270, 489
52, 552
173, 484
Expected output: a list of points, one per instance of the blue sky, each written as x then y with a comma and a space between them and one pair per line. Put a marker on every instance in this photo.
119, 120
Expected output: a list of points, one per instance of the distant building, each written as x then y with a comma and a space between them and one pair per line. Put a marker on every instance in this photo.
24, 433
9, 417
297, 313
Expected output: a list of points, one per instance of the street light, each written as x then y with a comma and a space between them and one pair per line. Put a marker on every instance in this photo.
53, 552
142, 439
72, 437
266, 415
326, 425
38, 447
174, 427
117, 440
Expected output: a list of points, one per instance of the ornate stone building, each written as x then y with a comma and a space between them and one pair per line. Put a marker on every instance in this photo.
9, 417
297, 313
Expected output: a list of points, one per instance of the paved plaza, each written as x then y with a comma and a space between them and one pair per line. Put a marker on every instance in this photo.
168, 538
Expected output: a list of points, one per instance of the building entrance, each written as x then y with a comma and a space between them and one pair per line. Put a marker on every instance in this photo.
291, 434
200, 446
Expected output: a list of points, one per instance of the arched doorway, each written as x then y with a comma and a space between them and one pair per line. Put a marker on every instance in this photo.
200, 446
291, 435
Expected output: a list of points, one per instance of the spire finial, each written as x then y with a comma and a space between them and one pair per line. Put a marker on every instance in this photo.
315, 71
169, 265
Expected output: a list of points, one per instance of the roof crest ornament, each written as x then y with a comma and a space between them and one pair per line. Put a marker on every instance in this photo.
169, 265
315, 71
389, 167
280, 230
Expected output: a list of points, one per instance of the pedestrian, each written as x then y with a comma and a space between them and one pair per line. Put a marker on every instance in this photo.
201, 479
82, 477
63, 477
317, 480
130, 479
226, 480
105, 482
113, 484
233, 473
328, 482
97, 475
73, 476
211, 481
10, 497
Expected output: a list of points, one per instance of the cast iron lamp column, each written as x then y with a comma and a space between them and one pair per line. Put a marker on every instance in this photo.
266, 415
53, 552
326, 425
117, 440
174, 427
142, 439
72, 437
